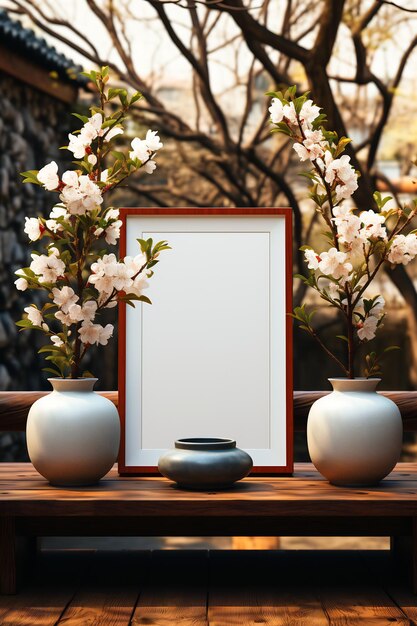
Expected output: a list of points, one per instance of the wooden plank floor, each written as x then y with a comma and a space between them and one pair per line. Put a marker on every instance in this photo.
212, 588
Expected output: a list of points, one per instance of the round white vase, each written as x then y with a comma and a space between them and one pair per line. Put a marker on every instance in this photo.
73, 433
354, 434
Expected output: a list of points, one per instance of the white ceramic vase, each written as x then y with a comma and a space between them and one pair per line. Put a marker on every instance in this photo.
73, 433
354, 434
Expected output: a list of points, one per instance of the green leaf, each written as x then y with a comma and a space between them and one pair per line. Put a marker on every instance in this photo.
343, 142
136, 96
145, 299
300, 277
83, 118
49, 348
113, 92
52, 371
343, 338
381, 202
24, 324
87, 374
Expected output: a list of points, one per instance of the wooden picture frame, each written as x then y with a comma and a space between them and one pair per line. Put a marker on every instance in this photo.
212, 356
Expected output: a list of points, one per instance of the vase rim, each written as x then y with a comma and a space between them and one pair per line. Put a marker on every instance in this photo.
205, 443
72, 384
359, 383
355, 378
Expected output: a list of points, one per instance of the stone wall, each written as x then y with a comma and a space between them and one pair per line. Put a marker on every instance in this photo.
32, 127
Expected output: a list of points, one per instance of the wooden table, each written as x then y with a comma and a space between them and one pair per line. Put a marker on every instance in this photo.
301, 505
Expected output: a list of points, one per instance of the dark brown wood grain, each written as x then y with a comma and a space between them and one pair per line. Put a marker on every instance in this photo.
405, 400
176, 590
109, 599
248, 588
15, 405
224, 588
24, 493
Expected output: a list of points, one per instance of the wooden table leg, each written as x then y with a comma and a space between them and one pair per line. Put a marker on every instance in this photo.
7, 556
414, 555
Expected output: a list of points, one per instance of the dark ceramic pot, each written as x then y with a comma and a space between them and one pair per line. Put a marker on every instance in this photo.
205, 463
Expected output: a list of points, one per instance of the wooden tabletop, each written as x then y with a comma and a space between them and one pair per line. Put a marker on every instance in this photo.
24, 493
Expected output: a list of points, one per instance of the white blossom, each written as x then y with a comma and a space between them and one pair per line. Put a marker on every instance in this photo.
112, 232
333, 290
372, 225
64, 297
72, 317
35, 317
142, 149
95, 334
139, 149
56, 213
109, 274
309, 112
48, 176
112, 214
334, 263
403, 249
378, 307
135, 263
149, 166
57, 341
80, 194
89, 310
139, 284
113, 132
104, 266
92, 159
47, 268
88, 133
77, 145
341, 172
348, 225
312, 147
289, 114
367, 328
92, 128
21, 284
312, 258
276, 110
33, 228
153, 141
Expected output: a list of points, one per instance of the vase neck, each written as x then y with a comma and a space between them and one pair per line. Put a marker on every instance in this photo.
354, 384
73, 384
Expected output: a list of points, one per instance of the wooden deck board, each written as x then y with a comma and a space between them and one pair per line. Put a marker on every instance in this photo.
177, 589
49, 589
253, 587
216, 588
110, 595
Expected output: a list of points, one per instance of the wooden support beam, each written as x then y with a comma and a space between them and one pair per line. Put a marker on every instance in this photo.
15, 405
31, 74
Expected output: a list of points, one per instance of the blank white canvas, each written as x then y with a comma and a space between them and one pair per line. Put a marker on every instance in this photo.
208, 357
